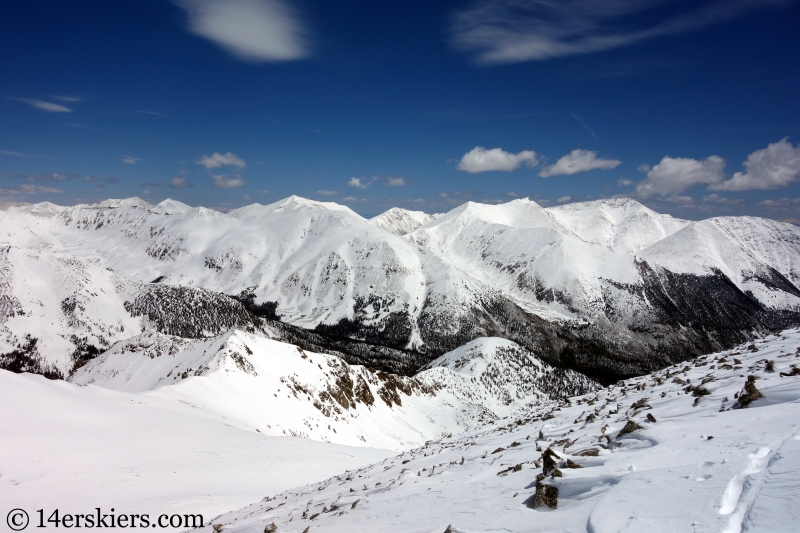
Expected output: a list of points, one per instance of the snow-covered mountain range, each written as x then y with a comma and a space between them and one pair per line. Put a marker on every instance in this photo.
609, 288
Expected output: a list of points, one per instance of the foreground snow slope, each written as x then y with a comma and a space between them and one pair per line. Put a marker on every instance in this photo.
280, 389
76, 448
700, 464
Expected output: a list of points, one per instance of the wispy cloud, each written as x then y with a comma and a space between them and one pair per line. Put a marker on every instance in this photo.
395, 182
583, 122
128, 160
179, 182
781, 203
47, 106
225, 182
479, 159
12, 154
325, 192
360, 183
52, 176
254, 30
564, 199
111, 180
217, 160
72, 99
578, 161
509, 31
717, 199
27, 188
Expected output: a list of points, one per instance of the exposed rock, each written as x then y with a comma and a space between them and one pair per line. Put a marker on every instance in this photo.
651, 418
750, 392
546, 496
630, 427
549, 461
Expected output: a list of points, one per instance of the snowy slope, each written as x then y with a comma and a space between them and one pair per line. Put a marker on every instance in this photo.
608, 287
758, 255
692, 459
620, 223
283, 390
402, 221
77, 448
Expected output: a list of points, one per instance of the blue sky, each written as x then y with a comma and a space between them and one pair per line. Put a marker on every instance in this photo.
689, 106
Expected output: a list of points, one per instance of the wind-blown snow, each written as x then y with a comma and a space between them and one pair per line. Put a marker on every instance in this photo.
701, 463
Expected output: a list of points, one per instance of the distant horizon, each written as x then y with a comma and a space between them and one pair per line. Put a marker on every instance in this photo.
688, 107
368, 215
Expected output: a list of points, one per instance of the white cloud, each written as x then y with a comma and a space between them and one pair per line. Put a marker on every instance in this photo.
508, 31
145, 191
578, 161
677, 199
224, 182
69, 98
396, 182
13, 154
48, 106
348, 199
263, 191
217, 160
644, 167
479, 159
246, 197
511, 194
254, 30
360, 183
783, 202
624, 182
326, 192
128, 160
564, 199
717, 199
27, 188
673, 175
179, 182
777, 165
418, 201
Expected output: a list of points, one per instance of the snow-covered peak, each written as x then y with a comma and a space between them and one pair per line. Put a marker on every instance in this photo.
172, 207
520, 213
402, 221
619, 223
287, 204
42, 209
134, 201
473, 358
